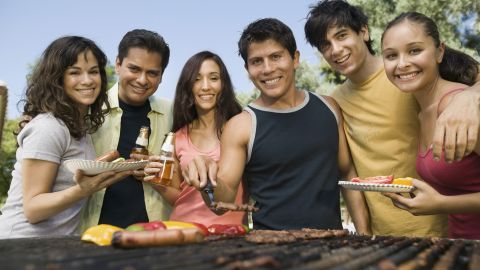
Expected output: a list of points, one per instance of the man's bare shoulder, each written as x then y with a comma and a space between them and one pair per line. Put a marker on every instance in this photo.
239, 126
242, 118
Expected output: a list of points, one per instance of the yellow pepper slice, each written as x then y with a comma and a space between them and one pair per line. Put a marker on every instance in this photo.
178, 225
101, 234
403, 181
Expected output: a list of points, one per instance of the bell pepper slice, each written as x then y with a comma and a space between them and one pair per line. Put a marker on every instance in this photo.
100, 234
171, 224
147, 226
137, 227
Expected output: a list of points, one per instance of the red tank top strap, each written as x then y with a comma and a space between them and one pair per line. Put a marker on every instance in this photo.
446, 94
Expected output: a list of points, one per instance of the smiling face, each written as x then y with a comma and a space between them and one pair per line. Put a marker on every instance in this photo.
410, 57
139, 75
207, 87
271, 68
82, 81
345, 50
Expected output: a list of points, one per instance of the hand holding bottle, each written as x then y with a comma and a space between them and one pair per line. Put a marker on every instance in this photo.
154, 167
164, 176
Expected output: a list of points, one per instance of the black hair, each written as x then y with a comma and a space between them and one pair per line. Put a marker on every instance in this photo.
264, 29
144, 39
329, 13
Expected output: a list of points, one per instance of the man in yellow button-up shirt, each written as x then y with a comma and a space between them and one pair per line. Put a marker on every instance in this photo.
142, 58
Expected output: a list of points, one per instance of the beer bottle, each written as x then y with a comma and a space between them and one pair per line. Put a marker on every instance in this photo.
164, 177
141, 144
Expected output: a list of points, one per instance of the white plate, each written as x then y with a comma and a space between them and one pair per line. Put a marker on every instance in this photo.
91, 167
376, 187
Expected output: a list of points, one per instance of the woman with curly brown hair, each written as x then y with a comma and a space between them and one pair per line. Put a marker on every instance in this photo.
63, 106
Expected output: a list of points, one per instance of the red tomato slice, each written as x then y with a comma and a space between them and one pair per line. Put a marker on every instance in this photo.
202, 227
154, 225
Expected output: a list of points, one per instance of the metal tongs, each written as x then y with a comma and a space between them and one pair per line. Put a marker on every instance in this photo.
207, 193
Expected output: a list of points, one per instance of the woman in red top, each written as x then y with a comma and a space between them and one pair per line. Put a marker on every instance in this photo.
417, 62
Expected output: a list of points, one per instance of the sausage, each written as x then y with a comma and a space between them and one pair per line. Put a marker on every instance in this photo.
109, 156
132, 239
128, 239
223, 206
192, 235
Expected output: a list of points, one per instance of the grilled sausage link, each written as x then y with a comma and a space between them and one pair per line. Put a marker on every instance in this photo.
131, 239
192, 235
128, 239
109, 156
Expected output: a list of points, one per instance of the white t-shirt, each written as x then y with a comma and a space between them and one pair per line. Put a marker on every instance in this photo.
44, 138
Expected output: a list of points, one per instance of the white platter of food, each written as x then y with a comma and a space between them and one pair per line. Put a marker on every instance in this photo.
376, 187
382, 183
92, 167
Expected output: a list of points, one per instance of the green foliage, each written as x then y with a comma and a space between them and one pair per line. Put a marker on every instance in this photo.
246, 97
449, 15
307, 77
7, 157
111, 75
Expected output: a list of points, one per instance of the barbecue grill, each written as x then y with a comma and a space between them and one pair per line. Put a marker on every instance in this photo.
347, 252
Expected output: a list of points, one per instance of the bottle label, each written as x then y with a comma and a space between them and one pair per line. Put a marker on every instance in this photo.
164, 177
141, 141
167, 148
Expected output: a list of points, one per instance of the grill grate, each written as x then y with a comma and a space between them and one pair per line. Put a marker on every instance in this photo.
348, 252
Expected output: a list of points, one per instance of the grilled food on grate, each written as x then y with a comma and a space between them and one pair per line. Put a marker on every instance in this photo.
277, 237
223, 206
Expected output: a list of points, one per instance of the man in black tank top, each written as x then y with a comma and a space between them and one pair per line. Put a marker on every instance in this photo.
288, 144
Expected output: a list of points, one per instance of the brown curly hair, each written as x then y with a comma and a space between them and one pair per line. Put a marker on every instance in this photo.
45, 92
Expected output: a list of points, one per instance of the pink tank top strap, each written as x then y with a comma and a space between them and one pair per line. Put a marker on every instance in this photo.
446, 94
181, 140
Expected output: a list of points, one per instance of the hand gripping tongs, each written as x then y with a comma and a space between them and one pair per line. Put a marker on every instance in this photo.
207, 193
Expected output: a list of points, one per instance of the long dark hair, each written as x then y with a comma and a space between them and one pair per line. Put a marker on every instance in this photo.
184, 111
455, 66
45, 92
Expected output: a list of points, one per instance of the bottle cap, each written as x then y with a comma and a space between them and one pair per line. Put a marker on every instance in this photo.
167, 148
142, 141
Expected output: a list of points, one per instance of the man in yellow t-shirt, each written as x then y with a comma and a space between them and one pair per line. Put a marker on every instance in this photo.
380, 121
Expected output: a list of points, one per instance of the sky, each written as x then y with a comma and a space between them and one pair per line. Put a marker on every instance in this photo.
27, 27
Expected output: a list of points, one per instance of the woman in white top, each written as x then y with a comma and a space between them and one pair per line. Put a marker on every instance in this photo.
63, 105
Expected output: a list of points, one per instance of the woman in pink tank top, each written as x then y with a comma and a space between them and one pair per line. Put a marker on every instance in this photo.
420, 64
204, 101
